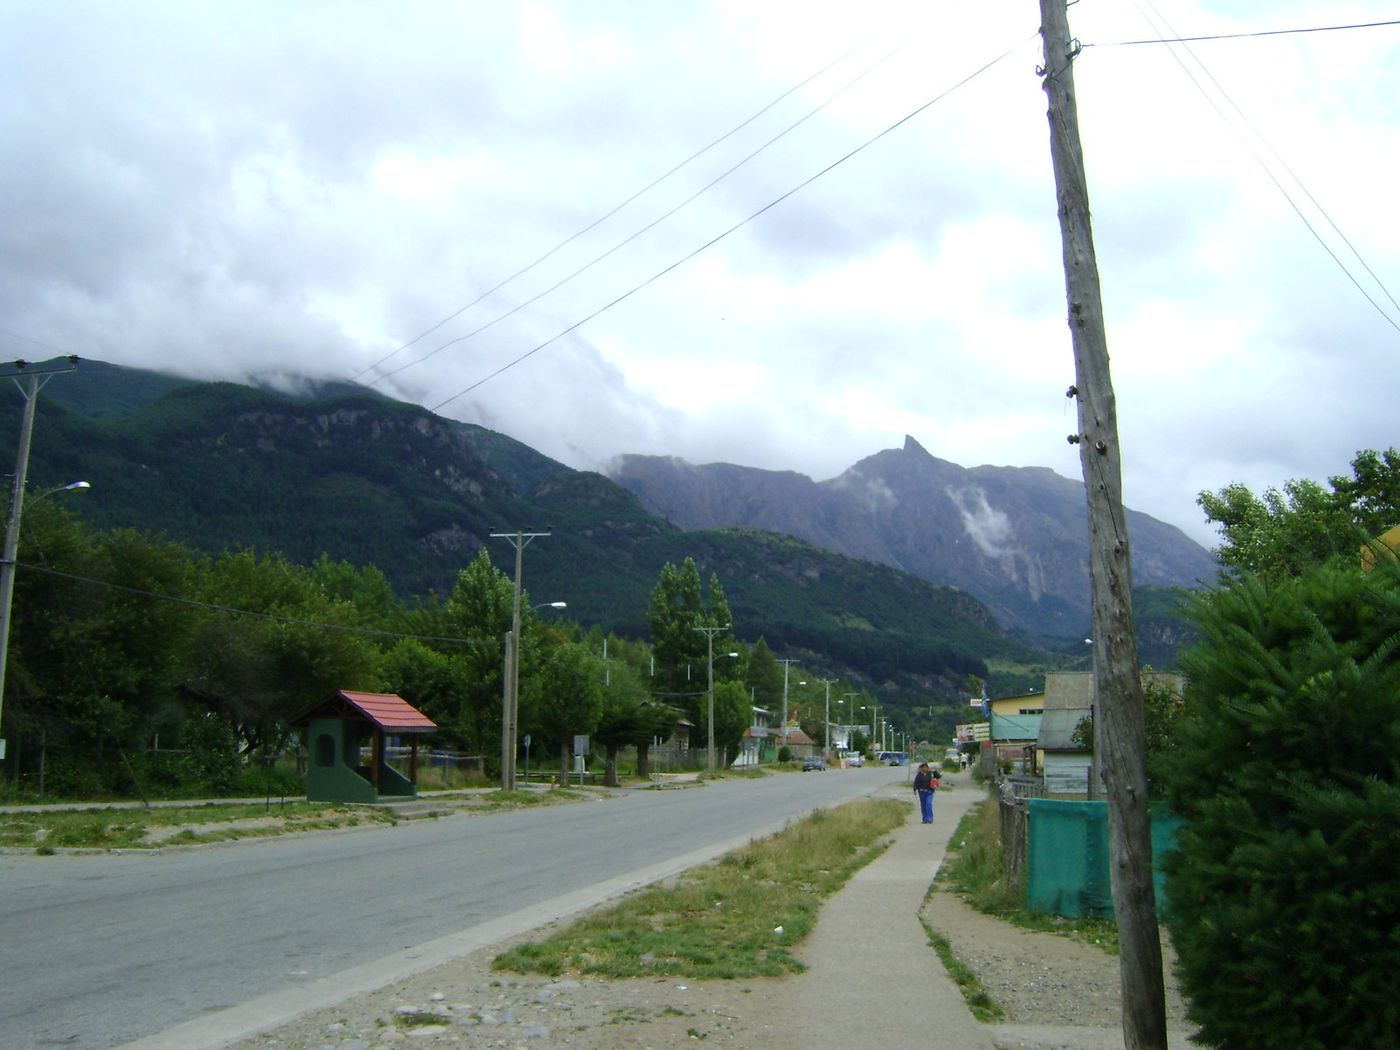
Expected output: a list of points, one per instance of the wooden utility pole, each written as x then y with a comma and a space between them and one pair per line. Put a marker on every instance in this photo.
34, 376
510, 703
1117, 686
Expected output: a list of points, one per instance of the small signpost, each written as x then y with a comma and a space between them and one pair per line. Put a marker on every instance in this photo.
580, 749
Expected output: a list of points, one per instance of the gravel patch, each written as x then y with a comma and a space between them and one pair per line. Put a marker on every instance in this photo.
1058, 993
466, 1004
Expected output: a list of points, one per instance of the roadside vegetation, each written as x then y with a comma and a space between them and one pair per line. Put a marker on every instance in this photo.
111, 828
978, 999
975, 869
738, 917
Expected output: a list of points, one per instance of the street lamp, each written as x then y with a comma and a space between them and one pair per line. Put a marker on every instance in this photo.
7, 569
510, 705
709, 633
512, 714
35, 375
827, 682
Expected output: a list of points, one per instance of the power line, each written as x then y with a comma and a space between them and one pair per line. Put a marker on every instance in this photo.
1278, 184
601, 219
738, 225
1243, 36
655, 222
273, 617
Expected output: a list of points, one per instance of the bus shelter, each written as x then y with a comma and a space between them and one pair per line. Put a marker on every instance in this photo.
336, 731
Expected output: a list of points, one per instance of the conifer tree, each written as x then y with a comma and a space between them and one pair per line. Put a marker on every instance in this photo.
1285, 894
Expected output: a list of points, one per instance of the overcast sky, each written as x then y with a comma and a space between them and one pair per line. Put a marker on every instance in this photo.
262, 188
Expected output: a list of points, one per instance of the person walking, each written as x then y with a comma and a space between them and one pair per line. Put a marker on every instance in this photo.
925, 784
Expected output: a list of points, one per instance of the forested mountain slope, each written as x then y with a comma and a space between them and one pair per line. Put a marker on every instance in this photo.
350, 474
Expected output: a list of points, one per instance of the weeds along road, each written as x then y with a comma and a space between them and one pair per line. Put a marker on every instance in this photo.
103, 950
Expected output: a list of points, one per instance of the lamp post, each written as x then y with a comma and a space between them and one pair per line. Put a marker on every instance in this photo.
34, 376
513, 698
827, 682
787, 664
850, 733
510, 700
11, 552
709, 633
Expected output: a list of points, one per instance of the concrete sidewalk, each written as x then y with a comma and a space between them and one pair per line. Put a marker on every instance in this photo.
871, 968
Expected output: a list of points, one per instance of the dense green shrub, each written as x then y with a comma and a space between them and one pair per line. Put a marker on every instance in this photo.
67, 776
211, 764
1286, 889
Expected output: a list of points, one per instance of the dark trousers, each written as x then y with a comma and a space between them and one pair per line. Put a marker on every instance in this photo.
926, 805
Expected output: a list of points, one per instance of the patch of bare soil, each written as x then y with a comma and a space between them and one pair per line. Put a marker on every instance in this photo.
1041, 978
1058, 994
465, 1003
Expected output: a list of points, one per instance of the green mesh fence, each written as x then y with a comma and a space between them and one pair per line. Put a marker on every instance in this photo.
1067, 857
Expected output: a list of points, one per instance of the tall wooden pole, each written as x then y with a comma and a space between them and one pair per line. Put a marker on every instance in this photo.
1117, 686
709, 633
510, 715
29, 378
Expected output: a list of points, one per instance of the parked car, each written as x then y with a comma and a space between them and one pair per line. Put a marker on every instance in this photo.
813, 762
855, 758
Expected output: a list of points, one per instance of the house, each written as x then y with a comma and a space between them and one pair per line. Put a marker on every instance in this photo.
1015, 727
1063, 762
798, 743
1069, 700
756, 746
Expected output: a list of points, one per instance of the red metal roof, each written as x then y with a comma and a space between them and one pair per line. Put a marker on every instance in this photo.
388, 711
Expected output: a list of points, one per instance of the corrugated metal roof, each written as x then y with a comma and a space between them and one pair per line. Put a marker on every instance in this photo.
1015, 727
1057, 729
388, 711
1069, 689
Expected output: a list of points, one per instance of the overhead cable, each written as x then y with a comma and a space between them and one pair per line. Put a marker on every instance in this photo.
1278, 184
602, 218
273, 617
655, 222
1242, 36
738, 225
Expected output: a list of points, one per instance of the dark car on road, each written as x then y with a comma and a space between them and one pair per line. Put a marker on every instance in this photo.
813, 762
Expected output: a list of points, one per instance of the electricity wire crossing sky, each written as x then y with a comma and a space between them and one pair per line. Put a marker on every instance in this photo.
782, 235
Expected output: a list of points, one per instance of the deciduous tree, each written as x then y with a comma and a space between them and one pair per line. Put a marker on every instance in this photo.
563, 698
1287, 531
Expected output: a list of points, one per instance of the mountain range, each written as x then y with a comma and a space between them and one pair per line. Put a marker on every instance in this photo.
904, 573
1016, 538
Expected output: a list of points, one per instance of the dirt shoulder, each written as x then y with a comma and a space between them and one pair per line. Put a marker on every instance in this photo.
1059, 994
1042, 979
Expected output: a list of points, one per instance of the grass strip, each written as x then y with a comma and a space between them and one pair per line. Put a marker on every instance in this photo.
737, 917
983, 1006
105, 827
975, 869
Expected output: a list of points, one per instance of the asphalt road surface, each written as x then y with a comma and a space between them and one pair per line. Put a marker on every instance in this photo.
105, 950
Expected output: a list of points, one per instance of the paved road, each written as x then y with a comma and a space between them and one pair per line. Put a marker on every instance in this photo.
99, 951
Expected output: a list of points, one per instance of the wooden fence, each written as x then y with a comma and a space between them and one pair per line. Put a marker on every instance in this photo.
1013, 793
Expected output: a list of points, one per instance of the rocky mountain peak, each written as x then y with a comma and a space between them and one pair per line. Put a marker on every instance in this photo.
1015, 538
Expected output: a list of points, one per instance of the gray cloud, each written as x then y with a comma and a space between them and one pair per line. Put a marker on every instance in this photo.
230, 190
